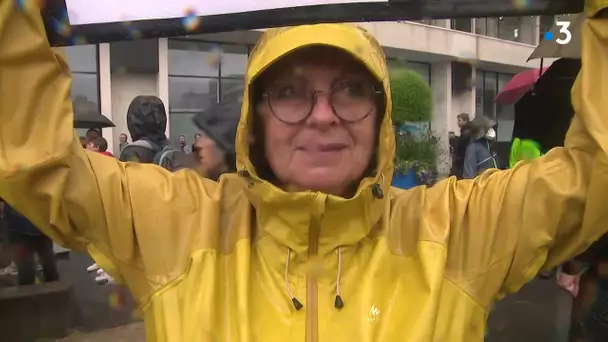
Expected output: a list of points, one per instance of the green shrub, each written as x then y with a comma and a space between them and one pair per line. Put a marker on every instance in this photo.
421, 149
412, 97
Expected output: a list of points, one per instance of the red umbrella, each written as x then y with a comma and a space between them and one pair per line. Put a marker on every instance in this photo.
519, 85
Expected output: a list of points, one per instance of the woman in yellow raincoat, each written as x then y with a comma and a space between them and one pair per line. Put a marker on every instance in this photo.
308, 242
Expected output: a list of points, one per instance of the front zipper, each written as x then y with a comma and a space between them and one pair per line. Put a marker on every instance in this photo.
312, 314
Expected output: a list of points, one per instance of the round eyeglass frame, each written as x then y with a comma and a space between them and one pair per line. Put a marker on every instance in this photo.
313, 101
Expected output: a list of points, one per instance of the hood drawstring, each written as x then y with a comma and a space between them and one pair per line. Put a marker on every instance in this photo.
294, 300
338, 304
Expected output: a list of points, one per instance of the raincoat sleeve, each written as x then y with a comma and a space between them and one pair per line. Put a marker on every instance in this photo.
508, 225
123, 213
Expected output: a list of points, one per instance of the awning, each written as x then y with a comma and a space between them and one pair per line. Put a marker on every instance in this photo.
88, 22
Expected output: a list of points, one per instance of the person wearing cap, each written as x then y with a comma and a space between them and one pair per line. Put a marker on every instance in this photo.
307, 241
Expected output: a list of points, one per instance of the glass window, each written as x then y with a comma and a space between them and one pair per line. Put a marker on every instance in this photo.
181, 123
200, 74
232, 90
505, 114
546, 23
192, 58
479, 82
462, 24
234, 60
516, 29
490, 85
190, 94
85, 92
424, 69
480, 26
82, 60
528, 30
509, 28
487, 27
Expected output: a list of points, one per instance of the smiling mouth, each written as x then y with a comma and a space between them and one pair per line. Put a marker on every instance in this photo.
331, 147
323, 148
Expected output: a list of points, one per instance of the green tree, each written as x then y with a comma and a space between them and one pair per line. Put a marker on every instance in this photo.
412, 97
413, 102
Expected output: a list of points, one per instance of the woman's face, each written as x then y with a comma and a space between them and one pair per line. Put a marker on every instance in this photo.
211, 160
322, 152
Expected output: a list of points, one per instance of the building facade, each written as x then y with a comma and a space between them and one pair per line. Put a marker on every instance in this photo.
466, 62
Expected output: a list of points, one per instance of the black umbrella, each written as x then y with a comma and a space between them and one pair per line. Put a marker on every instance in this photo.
91, 120
544, 113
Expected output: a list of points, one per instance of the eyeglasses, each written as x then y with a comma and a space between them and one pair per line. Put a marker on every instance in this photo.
293, 101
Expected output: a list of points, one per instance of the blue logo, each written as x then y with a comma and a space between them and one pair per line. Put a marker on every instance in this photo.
549, 36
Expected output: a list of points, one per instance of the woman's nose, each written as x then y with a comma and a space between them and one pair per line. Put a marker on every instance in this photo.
322, 114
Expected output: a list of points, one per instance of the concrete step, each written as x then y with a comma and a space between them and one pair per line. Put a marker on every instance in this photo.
34, 312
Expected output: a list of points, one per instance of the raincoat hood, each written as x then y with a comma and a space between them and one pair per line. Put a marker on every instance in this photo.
147, 119
369, 198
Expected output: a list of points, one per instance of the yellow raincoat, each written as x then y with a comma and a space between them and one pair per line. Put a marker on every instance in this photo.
419, 265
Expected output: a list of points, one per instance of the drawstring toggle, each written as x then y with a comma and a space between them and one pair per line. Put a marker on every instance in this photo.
296, 303
339, 303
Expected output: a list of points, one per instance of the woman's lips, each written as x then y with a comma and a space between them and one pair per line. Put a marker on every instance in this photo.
331, 147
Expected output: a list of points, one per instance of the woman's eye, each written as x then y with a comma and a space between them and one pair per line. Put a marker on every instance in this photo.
286, 91
353, 89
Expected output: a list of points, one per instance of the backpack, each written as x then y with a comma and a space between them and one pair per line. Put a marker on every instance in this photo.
167, 157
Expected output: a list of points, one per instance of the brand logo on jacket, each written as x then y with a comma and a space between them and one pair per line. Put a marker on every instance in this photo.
373, 315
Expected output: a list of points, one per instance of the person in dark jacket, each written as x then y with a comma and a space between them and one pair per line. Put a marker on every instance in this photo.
26, 241
479, 155
214, 151
460, 144
586, 278
147, 122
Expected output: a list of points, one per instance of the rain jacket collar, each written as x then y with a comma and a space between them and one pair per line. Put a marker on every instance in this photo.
273, 204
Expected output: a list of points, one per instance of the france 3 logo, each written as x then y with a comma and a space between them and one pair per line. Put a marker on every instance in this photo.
564, 35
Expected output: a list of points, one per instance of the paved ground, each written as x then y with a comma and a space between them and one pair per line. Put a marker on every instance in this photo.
539, 312
127, 333
98, 307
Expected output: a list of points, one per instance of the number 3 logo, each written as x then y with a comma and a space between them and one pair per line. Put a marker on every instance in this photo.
564, 29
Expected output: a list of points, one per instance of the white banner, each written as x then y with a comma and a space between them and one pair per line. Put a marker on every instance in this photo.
82, 12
